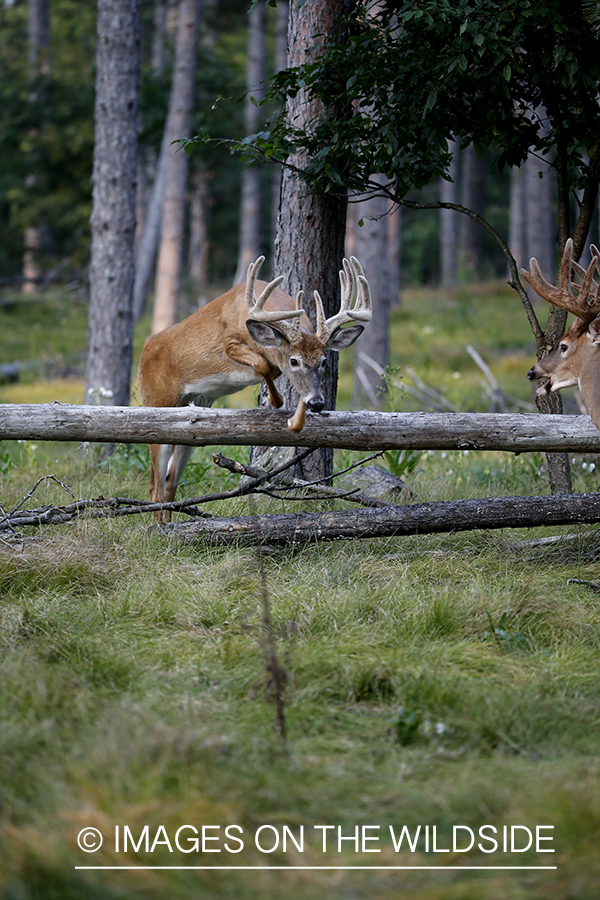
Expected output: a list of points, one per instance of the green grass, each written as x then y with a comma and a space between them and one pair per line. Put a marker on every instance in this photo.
433, 680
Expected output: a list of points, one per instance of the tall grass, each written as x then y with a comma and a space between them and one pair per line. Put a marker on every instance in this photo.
433, 680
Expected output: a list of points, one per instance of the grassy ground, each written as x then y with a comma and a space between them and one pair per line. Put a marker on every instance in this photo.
436, 681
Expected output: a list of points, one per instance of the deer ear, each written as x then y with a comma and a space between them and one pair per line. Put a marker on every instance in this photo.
344, 337
594, 330
265, 335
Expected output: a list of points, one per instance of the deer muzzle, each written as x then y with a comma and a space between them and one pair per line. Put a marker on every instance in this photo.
534, 373
315, 404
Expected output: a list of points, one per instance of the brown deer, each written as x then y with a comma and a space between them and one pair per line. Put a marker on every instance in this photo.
576, 358
240, 339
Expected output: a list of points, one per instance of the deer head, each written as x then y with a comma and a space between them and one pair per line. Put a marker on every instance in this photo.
297, 352
576, 358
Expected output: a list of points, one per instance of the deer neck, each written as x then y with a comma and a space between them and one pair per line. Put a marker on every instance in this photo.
589, 381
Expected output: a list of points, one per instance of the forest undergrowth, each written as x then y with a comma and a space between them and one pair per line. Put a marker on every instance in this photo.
441, 684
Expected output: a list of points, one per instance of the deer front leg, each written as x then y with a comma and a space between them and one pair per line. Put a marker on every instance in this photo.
296, 423
244, 355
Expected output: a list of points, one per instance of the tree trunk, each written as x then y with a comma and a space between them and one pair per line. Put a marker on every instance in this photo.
372, 249
202, 427
311, 225
449, 222
198, 247
470, 232
517, 239
559, 469
110, 325
422, 518
250, 207
394, 231
539, 219
38, 45
282, 15
148, 225
169, 266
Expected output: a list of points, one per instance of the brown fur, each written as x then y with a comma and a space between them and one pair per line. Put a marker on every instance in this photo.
211, 353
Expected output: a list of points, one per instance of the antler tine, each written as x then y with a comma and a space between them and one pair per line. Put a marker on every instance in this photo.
355, 290
561, 295
256, 304
588, 289
348, 285
363, 309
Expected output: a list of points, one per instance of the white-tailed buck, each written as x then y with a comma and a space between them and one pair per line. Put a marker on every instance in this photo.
240, 339
576, 358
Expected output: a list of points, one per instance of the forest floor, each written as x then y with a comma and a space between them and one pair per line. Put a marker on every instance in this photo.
448, 685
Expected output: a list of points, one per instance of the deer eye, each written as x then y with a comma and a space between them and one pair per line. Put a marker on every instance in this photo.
323, 363
294, 362
563, 348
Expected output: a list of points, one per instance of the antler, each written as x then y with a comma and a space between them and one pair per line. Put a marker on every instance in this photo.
355, 304
586, 305
256, 304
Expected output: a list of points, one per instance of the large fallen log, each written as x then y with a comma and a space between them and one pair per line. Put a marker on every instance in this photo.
363, 430
422, 518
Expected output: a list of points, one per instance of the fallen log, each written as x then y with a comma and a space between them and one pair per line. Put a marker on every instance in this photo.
364, 430
422, 518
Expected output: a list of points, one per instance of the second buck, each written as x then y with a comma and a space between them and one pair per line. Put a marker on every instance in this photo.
576, 358
241, 339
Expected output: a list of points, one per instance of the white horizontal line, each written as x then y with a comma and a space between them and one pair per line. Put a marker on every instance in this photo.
316, 868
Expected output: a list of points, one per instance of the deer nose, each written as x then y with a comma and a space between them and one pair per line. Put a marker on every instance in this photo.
316, 405
531, 374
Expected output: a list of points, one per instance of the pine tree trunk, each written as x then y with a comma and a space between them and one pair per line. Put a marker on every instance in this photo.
517, 238
198, 248
110, 328
540, 229
394, 231
470, 231
280, 54
250, 206
38, 45
372, 249
449, 223
170, 254
311, 225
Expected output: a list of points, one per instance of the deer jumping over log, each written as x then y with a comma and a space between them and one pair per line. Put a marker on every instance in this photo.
240, 339
576, 358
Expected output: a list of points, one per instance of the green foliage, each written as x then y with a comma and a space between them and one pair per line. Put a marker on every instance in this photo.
6, 463
406, 76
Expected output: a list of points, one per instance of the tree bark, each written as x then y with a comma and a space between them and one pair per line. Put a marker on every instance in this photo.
250, 206
199, 426
372, 249
282, 15
517, 239
38, 45
110, 327
449, 222
540, 229
311, 225
470, 234
148, 243
169, 266
422, 518
198, 247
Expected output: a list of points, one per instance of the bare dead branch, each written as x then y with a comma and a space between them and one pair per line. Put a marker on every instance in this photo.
317, 489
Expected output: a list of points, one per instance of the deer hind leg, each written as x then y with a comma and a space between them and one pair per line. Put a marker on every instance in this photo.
168, 463
160, 455
178, 460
